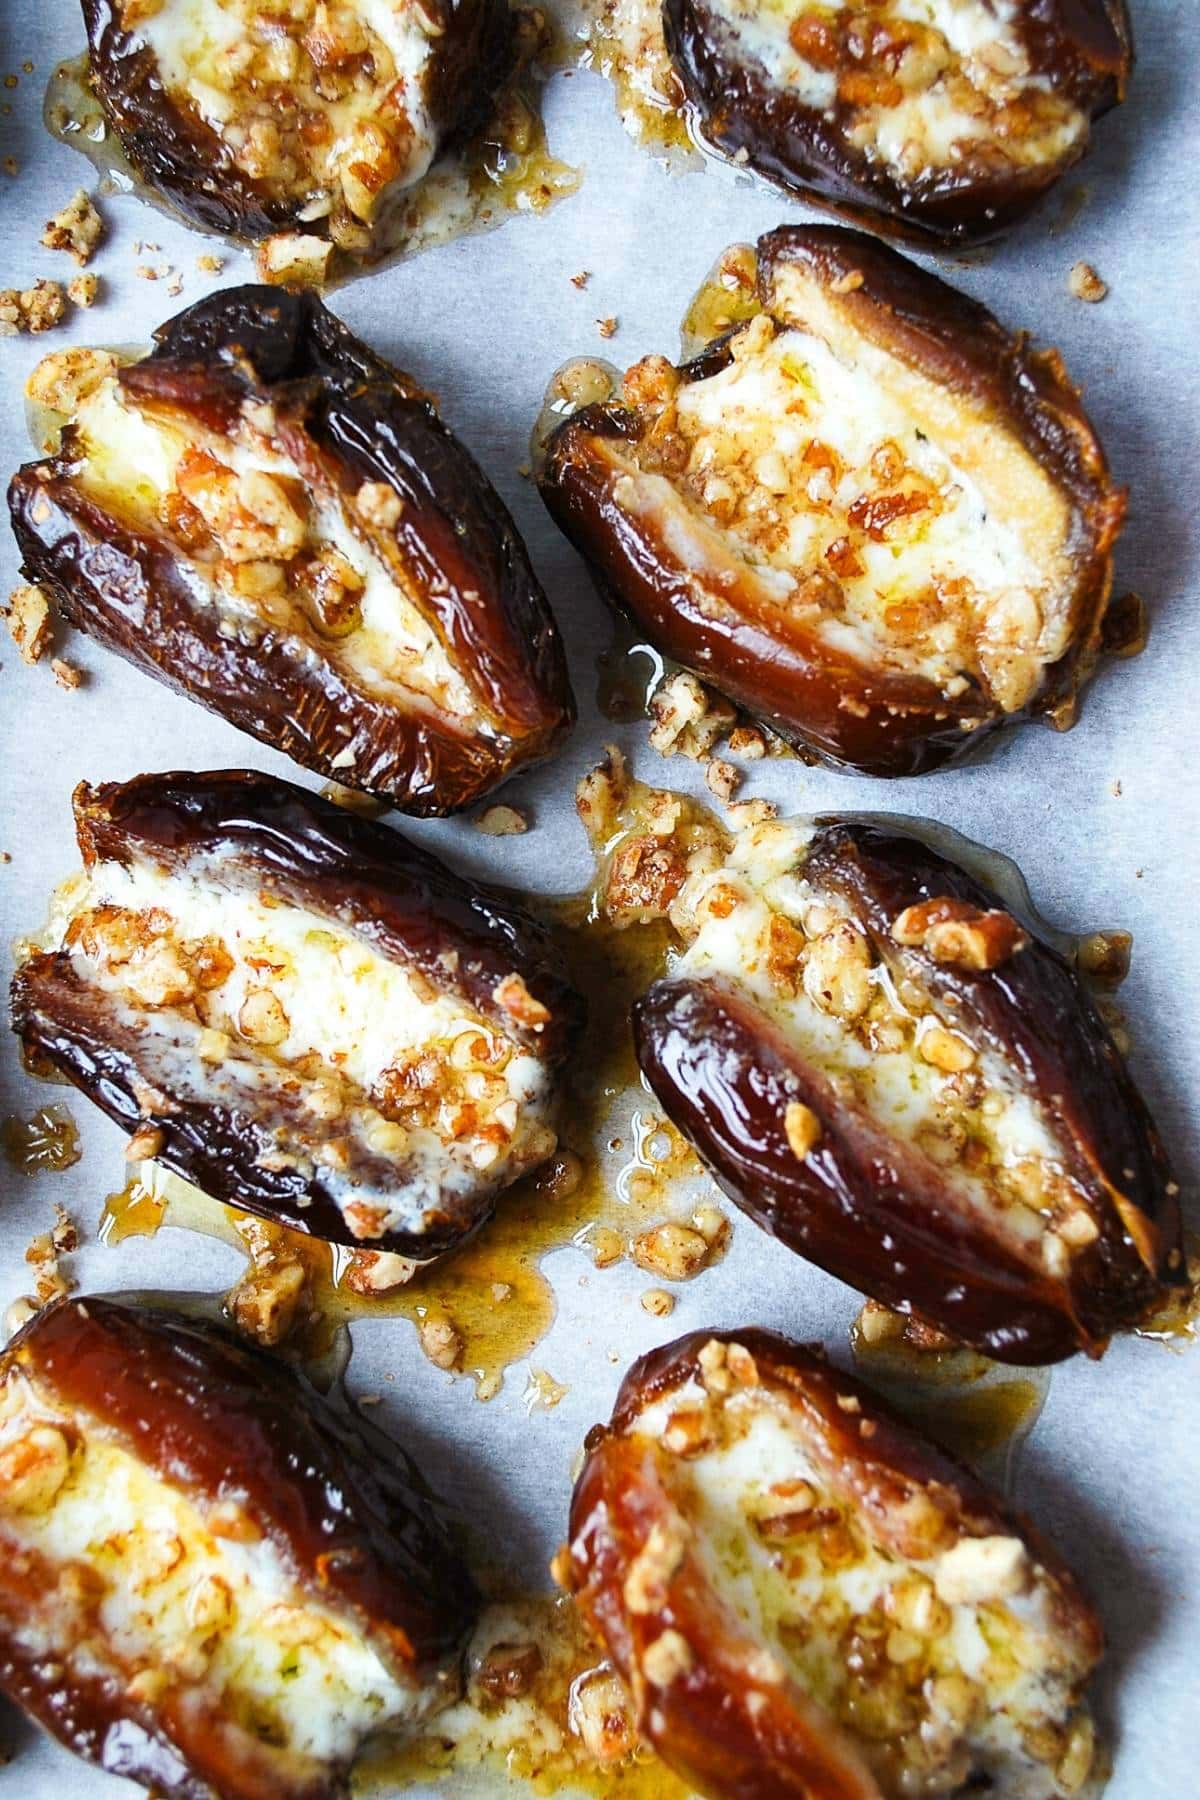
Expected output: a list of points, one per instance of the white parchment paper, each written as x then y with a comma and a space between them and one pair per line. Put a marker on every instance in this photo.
1103, 821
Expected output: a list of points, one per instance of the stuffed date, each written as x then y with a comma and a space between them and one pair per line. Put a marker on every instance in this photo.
214, 1580
867, 514
943, 123
890, 1068
267, 516
310, 123
299, 1011
804, 1597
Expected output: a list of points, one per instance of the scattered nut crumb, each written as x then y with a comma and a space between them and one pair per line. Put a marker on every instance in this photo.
11, 165
722, 779
607, 327
658, 1302
745, 813
803, 1129
32, 309
1085, 284
501, 821
688, 717
42, 1255
146, 272
293, 259
747, 742
208, 264
440, 1342
77, 229
66, 674
1115, 789
581, 279
30, 622
84, 290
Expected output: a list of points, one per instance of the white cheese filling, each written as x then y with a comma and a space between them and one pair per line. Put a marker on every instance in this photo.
132, 462
204, 52
908, 1095
224, 1619
757, 418
1009, 1643
332, 997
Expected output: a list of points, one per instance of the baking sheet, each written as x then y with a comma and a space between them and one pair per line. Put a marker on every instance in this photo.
1104, 821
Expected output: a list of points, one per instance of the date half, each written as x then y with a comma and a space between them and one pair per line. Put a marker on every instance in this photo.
870, 515
298, 1010
943, 128
214, 1580
268, 517
805, 1598
911, 1087
319, 117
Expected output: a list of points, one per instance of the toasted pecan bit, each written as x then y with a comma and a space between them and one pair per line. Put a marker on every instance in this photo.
77, 229
1085, 284
607, 327
440, 1342
688, 718
30, 623
658, 1303
956, 933
722, 779
501, 821
651, 1570
65, 673
514, 997
803, 1130
378, 504
667, 1658
33, 309
581, 279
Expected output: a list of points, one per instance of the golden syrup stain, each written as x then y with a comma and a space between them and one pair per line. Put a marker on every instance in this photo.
132, 1211
727, 296
1177, 1321
981, 1411
627, 674
47, 1142
650, 99
534, 1687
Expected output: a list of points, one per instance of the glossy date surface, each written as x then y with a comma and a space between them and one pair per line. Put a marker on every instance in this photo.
869, 514
792, 1584
298, 1010
944, 128
270, 518
215, 1581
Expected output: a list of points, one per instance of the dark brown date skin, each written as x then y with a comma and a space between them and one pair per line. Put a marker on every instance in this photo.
875, 1211
178, 154
347, 417
731, 1733
296, 847
342, 1503
1083, 48
843, 711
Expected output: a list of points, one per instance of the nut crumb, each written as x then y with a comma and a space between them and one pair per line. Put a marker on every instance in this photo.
748, 743
77, 229
30, 623
1085, 284
607, 327
32, 309
658, 1303
722, 779
66, 674
208, 264
803, 1129
501, 821
84, 290
581, 279
440, 1342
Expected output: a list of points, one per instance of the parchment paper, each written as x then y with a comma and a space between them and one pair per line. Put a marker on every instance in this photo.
1103, 820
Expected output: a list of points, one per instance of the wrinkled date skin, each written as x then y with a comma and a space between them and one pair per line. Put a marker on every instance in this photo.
107, 1404
798, 639
223, 1053
378, 505
917, 1224
1068, 60
740, 1463
182, 155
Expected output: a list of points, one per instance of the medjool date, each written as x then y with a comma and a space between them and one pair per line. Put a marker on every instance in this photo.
299, 1011
868, 514
265, 515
